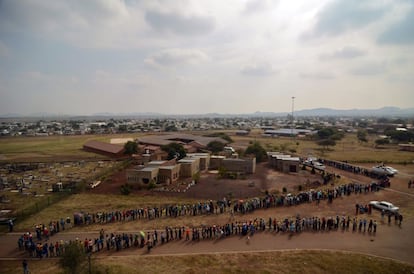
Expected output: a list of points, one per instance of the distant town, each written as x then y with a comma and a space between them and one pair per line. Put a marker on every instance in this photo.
271, 126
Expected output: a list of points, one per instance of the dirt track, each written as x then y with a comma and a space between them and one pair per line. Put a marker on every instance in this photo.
390, 241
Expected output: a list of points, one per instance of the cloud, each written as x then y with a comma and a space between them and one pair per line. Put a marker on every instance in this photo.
369, 69
318, 75
262, 69
257, 6
173, 22
4, 50
177, 56
401, 32
347, 52
342, 15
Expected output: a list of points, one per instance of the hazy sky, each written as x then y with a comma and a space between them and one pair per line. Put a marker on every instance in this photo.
225, 56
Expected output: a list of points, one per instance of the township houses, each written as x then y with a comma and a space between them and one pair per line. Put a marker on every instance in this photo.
159, 172
283, 162
107, 149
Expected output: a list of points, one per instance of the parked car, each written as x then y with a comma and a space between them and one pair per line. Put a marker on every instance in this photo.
383, 205
313, 162
384, 170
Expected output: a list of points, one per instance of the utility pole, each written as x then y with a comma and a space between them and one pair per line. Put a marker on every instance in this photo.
293, 103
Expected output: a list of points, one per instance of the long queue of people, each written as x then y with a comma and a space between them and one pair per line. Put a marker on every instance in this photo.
150, 239
225, 206
352, 168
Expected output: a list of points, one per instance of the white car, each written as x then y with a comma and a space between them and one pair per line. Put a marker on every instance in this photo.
384, 170
383, 205
318, 165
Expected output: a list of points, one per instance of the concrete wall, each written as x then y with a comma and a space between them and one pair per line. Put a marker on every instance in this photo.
169, 174
189, 167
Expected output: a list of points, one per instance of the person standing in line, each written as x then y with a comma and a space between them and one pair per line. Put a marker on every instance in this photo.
25, 267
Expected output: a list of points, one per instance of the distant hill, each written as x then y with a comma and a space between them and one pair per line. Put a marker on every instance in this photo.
316, 112
381, 112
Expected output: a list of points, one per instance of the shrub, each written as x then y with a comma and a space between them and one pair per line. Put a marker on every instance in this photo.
126, 189
73, 258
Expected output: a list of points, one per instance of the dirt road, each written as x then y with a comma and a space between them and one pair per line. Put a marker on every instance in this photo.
390, 241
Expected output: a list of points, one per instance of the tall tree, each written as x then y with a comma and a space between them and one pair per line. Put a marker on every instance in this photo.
174, 150
131, 147
362, 135
257, 150
215, 146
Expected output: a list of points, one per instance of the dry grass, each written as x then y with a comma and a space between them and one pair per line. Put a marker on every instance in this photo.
302, 262
61, 147
348, 149
95, 203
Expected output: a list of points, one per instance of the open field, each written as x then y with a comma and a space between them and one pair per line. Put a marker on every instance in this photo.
52, 148
70, 147
347, 149
246, 262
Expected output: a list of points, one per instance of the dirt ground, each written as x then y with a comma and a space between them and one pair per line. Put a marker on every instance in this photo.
212, 187
391, 241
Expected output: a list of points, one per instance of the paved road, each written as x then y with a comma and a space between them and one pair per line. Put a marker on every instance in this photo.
390, 241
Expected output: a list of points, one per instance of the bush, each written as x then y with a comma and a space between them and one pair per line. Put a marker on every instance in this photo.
151, 185
284, 190
73, 258
126, 189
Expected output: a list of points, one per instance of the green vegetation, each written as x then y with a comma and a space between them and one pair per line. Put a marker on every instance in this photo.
258, 151
221, 135
399, 136
215, 146
174, 150
362, 135
126, 189
73, 258
131, 147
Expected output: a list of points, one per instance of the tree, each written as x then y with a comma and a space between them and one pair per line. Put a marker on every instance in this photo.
73, 257
329, 133
170, 128
215, 146
400, 136
131, 147
174, 150
381, 142
126, 189
221, 135
362, 135
258, 151
326, 143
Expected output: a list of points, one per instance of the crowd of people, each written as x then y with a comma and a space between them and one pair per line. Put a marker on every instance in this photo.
352, 168
245, 228
224, 205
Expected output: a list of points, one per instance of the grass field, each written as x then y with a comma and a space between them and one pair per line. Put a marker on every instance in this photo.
62, 147
303, 262
52, 147
347, 149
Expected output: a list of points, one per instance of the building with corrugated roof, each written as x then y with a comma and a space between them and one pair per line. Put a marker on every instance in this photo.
103, 148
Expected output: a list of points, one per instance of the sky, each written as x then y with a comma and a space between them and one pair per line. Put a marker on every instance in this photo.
196, 57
